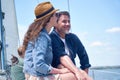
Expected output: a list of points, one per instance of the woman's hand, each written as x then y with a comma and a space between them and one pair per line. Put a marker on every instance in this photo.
64, 70
59, 71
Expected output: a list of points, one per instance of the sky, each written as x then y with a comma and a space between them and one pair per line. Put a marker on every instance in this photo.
95, 22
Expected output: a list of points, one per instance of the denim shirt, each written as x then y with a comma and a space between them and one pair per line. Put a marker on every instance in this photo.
38, 55
75, 48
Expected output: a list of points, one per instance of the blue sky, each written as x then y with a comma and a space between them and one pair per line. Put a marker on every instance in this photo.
96, 22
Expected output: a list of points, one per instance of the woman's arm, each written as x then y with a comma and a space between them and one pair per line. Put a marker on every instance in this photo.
59, 71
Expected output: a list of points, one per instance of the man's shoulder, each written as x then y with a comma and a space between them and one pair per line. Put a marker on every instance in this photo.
72, 35
53, 35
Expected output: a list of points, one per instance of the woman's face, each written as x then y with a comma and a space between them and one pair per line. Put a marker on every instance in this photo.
53, 20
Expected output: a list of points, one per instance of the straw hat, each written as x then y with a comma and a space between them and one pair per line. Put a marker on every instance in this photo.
43, 10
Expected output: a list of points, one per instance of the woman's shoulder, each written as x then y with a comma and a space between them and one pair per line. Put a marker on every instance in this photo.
44, 34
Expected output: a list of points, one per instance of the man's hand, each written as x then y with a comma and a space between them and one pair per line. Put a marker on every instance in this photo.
82, 75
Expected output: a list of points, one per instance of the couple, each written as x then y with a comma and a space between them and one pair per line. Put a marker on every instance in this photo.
50, 58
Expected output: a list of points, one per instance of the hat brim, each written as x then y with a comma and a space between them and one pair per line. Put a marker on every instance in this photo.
47, 15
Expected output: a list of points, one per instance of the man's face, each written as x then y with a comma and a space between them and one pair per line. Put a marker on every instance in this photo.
63, 24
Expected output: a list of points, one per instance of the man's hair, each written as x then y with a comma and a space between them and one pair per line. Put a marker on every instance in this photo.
58, 14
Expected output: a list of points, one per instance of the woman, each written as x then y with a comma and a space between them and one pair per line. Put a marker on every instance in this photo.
38, 50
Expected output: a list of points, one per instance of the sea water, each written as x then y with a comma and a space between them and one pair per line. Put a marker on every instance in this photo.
105, 74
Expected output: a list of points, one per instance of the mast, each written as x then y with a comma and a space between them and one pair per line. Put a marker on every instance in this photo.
9, 38
2, 57
11, 29
8, 32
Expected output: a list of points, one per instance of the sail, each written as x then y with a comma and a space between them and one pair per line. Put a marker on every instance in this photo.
10, 35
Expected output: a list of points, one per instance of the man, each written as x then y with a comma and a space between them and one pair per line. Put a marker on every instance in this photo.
67, 45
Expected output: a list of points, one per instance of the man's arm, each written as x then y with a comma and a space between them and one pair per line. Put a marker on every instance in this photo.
66, 61
80, 74
82, 54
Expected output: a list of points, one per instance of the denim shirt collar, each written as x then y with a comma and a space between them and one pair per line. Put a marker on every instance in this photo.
44, 30
46, 33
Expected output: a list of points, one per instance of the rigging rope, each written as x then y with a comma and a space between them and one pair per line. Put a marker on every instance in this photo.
68, 6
